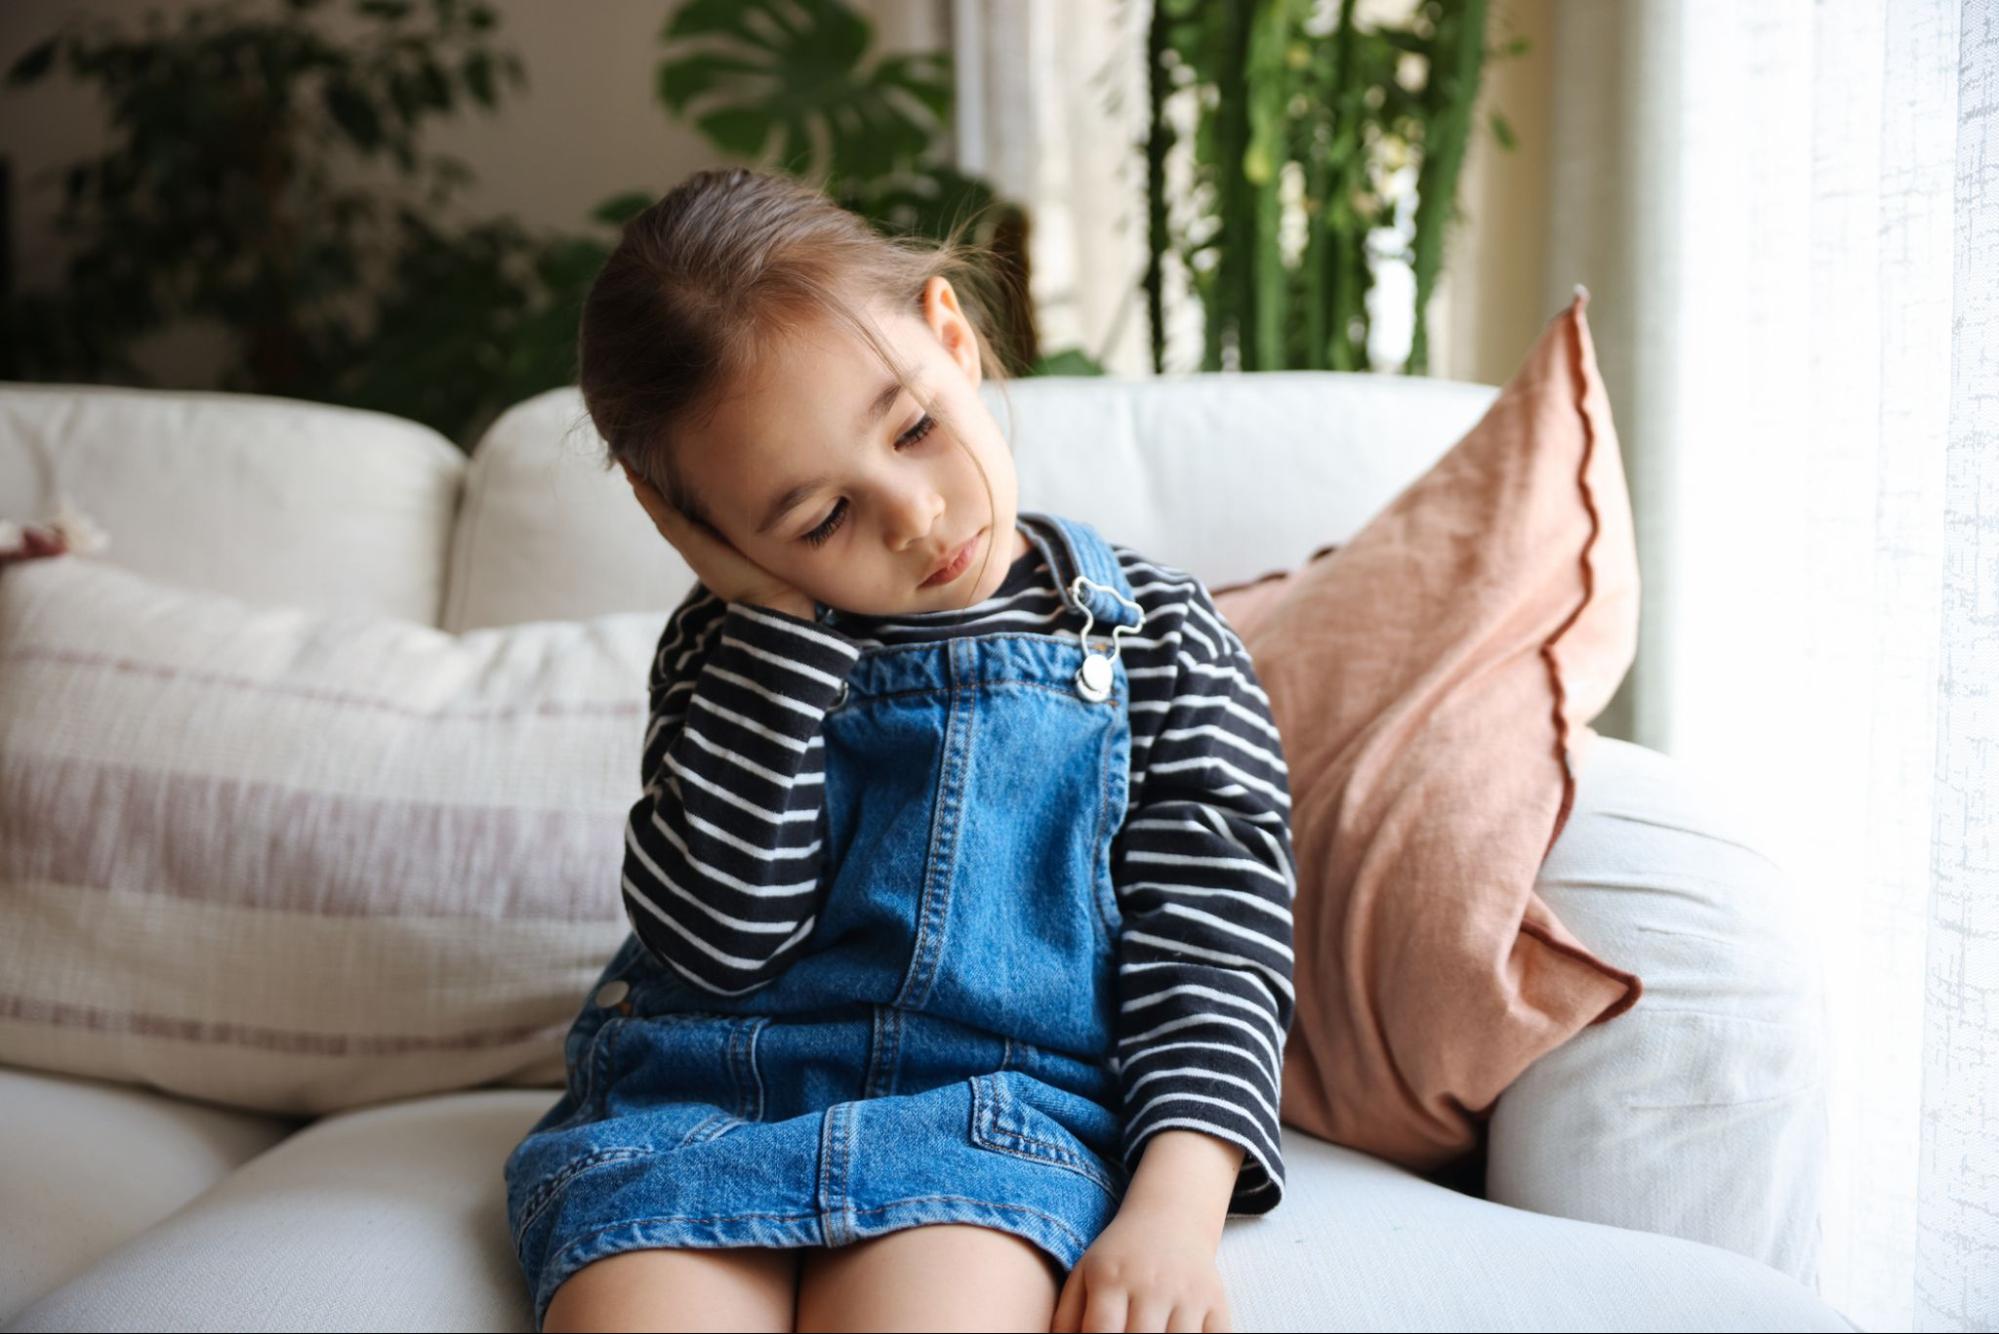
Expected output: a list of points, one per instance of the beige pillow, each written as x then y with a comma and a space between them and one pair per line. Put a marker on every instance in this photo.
1432, 679
299, 861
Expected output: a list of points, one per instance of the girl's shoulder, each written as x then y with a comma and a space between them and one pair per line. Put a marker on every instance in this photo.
1157, 582
1177, 602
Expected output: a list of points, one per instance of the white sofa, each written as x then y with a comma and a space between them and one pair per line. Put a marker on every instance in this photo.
1660, 1171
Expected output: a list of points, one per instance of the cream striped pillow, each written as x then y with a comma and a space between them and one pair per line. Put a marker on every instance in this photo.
298, 861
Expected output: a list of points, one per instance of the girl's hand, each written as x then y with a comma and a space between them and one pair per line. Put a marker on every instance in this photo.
1145, 1271
725, 571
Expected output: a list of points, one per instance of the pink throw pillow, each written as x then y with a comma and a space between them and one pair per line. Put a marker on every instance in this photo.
1432, 680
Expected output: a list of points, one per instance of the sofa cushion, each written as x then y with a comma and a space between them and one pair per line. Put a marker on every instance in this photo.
546, 533
411, 1197
274, 500
294, 861
1431, 679
85, 1166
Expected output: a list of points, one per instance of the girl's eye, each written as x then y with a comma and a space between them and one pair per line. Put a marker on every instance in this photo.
924, 426
825, 530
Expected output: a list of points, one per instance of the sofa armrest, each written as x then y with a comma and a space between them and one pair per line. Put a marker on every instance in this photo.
1700, 1112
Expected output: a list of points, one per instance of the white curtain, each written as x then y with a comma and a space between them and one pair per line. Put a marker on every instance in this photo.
1788, 216
1051, 111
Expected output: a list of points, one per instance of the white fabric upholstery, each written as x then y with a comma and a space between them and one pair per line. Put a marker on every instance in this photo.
547, 532
393, 1218
1701, 1111
273, 500
87, 1166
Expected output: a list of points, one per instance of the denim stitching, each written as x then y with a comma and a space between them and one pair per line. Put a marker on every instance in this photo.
734, 1054
1057, 638
589, 1066
1099, 849
756, 1075
972, 688
947, 814
987, 1128
714, 1127
550, 1186
812, 1216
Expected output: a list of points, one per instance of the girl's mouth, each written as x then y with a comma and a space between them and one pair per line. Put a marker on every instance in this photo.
958, 565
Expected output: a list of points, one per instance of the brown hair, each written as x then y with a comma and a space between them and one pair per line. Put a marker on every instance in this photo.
712, 273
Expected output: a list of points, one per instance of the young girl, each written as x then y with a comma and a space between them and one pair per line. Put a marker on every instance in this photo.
960, 888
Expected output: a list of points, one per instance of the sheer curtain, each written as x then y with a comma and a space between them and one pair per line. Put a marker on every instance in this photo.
1051, 110
1788, 214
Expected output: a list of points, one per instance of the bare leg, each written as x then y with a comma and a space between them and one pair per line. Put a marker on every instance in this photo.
732, 1288
944, 1276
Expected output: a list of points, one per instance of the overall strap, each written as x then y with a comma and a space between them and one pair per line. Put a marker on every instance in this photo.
1086, 570
1072, 548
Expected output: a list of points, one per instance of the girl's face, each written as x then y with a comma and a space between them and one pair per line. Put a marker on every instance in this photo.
823, 471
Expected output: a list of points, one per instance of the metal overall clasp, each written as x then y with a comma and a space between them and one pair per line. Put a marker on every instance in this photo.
1095, 677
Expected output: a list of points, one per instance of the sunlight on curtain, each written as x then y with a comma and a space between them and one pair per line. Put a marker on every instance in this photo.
1803, 239
1052, 112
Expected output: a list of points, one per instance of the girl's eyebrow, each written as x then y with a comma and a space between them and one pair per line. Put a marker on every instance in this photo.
788, 499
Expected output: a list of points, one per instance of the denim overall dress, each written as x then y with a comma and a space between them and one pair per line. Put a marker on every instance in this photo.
937, 1052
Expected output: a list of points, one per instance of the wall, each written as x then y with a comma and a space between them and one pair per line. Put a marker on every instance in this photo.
1491, 303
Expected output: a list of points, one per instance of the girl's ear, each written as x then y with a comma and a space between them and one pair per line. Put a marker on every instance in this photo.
947, 321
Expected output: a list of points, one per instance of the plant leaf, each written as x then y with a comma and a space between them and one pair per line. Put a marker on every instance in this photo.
478, 74
621, 208
741, 130
355, 114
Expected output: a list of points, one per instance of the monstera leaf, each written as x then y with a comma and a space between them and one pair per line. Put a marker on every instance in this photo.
790, 70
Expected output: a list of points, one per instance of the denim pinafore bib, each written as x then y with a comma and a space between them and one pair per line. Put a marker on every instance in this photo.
938, 1050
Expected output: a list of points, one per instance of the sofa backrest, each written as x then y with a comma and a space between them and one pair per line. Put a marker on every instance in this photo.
269, 499
340, 509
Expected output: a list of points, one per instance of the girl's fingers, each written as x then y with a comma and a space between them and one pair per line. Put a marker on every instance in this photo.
1105, 1310
1068, 1317
714, 559
649, 497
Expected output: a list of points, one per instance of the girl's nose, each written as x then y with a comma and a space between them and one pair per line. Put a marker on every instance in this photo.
915, 517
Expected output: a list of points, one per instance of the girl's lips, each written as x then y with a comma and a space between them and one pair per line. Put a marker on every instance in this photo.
958, 565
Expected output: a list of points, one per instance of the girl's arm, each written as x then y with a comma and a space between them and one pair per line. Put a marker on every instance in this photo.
722, 852
1203, 870
1205, 879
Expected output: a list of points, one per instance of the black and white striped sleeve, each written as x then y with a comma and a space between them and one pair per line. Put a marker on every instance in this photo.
1205, 880
722, 852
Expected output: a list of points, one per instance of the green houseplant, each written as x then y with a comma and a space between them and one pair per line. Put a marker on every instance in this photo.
1278, 93
216, 201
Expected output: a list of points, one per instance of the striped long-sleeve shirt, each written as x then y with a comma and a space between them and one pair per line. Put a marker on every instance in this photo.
723, 855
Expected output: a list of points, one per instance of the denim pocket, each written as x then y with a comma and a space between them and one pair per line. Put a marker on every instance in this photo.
1006, 1121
